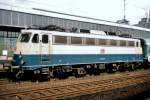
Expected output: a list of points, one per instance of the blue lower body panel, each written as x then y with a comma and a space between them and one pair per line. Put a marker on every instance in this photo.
33, 62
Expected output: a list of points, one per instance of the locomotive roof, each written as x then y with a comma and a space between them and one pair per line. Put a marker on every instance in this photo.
88, 35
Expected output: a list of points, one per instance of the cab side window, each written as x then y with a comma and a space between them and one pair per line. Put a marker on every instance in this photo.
35, 38
44, 38
131, 43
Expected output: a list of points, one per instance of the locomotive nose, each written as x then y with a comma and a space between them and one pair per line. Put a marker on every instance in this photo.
18, 60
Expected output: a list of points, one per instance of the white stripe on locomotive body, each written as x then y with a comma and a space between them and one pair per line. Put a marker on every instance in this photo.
32, 48
65, 49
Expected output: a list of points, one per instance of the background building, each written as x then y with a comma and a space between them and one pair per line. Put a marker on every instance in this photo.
13, 20
144, 22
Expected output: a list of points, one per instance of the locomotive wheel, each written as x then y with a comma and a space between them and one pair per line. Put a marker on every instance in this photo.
145, 64
51, 74
132, 67
121, 67
58, 74
96, 71
110, 68
80, 72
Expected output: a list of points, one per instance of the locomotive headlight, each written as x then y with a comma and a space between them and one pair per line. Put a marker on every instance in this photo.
22, 61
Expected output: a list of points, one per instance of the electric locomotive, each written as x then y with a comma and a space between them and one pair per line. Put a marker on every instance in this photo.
54, 53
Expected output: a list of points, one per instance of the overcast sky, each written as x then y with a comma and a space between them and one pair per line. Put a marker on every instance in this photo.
111, 10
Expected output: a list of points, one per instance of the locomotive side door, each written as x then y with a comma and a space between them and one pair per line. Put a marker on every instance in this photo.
45, 45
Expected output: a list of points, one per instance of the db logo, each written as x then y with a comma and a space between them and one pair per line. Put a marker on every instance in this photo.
102, 51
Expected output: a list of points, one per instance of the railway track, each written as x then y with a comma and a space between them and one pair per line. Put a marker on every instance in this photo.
4, 82
62, 89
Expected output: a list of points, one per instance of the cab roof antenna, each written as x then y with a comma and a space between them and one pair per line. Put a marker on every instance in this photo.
124, 9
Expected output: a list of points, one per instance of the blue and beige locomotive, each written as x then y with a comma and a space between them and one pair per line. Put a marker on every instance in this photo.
55, 53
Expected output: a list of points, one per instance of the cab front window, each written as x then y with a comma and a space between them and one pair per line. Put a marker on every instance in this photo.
25, 37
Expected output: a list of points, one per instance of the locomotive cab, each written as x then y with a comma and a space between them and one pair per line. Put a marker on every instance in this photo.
31, 47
